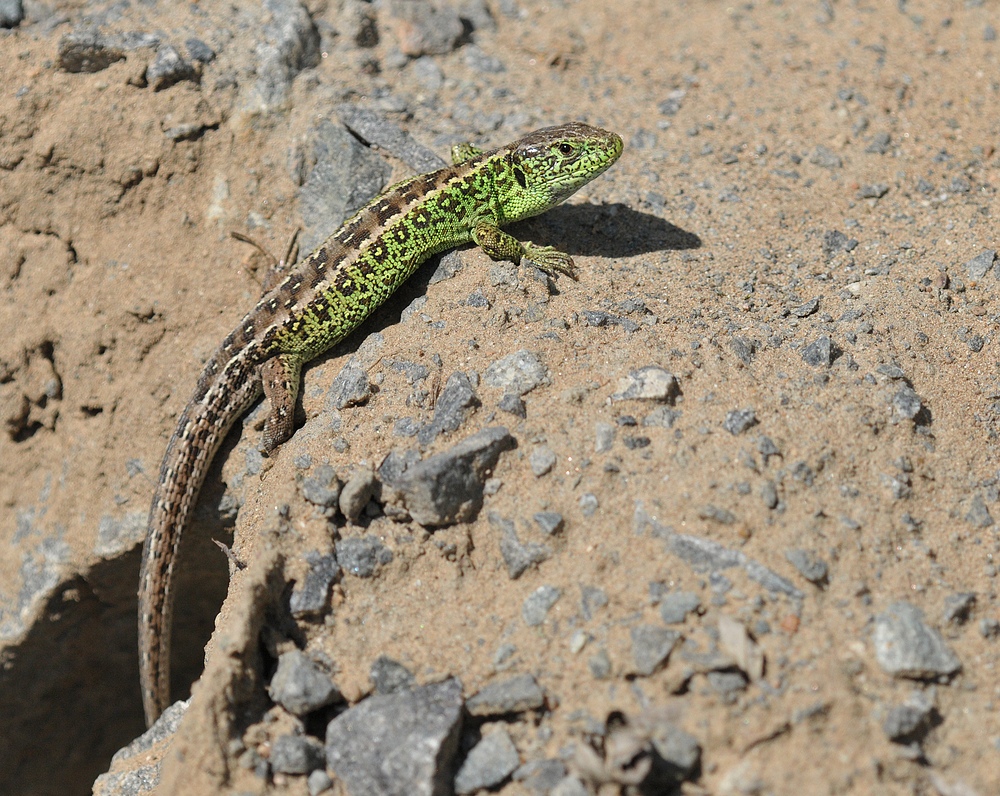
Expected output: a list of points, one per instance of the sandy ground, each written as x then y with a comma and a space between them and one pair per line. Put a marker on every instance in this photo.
776, 153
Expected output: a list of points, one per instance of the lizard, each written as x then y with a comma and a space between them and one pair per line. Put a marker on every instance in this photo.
327, 295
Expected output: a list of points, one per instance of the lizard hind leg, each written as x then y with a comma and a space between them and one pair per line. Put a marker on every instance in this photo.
280, 376
277, 269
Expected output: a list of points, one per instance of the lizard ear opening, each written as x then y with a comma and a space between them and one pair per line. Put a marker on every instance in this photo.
519, 176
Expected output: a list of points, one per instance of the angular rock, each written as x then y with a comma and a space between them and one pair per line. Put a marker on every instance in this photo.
376, 129
651, 646
513, 695
389, 676
979, 516
810, 567
542, 460
980, 265
357, 493
448, 487
296, 754
536, 605
300, 685
517, 373
311, 597
650, 383
906, 403
350, 387
679, 752
361, 556
89, 51
910, 722
675, 607
517, 556
399, 744
457, 400
169, 67
488, 763
906, 647
550, 522
819, 353
322, 488
739, 420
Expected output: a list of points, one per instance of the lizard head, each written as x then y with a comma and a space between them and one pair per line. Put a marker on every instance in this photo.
549, 165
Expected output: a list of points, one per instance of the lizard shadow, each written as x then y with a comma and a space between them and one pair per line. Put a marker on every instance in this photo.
614, 230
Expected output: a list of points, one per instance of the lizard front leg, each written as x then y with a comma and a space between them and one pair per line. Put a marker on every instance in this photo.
502, 246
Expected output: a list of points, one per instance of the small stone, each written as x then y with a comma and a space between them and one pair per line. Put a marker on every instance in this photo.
650, 383
199, 51
456, 401
744, 348
727, 684
769, 494
361, 556
807, 309
300, 686
717, 514
739, 420
604, 437
588, 504
517, 556
550, 522
835, 242
819, 353
879, 144
906, 647
980, 265
322, 488
662, 416
318, 782
906, 403
958, 608
11, 13
810, 567
518, 373
600, 665
88, 52
488, 763
910, 722
397, 744
825, 158
513, 405
513, 695
311, 597
389, 676
540, 776
873, 191
570, 786
542, 460
296, 754
350, 387
675, 607
979, 516
537, 605
651, 646
679, 752
592, 598
989, 627
168, 68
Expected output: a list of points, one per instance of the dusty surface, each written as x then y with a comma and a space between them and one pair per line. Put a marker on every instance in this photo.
118, 278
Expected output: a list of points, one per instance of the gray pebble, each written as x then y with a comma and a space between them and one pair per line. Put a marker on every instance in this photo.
457, 400
835, 241
819, 353
592, 598
318, 782
513, 695
906, 647
199, 51
296, 754
958, 608
717, 514
810, 567
542, 460
650, 383
311, 597
11, 13
804, 310
739, 420
389, 676
397, 744
910, 722
979, 516
989, 627
769, 494
517, 556
570, 786
675, 607
88, 51
980, 265
488, 763
825, 158
600, 665
662, 416
517, 373
323, 487
989, 33
355, 495
300, 685
604, 437
362, 555
350, 387
651, 646
873, 190
767, 448
727, 684
478, 61
168, 68
550, 522
405, 427
588, 504
448, 487
906, 402
679, 751
376, 129
536, 605
879, 144
512, 405
540, 776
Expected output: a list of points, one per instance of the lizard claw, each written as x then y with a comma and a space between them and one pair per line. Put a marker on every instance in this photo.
550, 260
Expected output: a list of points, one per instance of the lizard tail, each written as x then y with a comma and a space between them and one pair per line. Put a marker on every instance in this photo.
221, 398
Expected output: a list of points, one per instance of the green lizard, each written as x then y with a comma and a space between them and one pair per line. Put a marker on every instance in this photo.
323, 299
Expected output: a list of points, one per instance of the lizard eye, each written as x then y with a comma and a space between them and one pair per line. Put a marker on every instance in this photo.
566, 149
